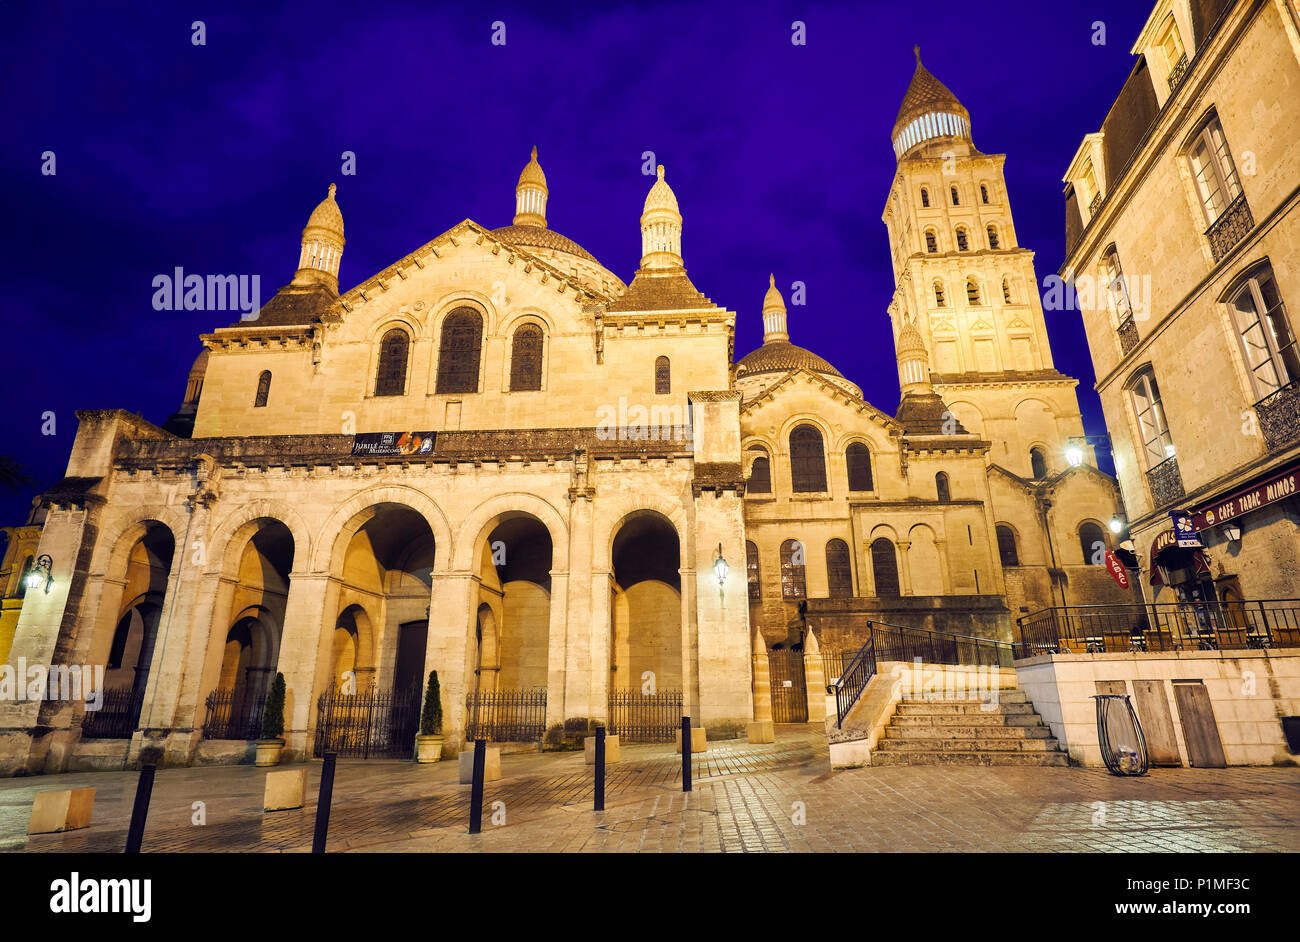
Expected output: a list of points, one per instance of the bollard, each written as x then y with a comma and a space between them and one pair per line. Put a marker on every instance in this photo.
686, 753
323, 803
143, 791
476, 788
600, 768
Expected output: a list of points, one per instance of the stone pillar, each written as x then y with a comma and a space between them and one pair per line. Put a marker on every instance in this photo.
449, 647
555, 648
904, 568
581, 631
602, 621
304, 654
761, 729
814, 676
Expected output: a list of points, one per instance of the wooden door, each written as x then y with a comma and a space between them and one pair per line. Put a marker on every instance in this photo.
1200, 731
1152, 705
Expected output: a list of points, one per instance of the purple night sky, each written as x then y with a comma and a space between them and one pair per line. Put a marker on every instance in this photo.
211, 158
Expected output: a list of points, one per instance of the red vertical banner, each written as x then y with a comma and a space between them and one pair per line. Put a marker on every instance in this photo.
1116, 570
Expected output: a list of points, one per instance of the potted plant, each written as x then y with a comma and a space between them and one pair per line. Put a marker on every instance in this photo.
428, 745
272, 741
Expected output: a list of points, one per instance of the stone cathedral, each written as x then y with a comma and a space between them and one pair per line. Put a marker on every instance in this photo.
498, 460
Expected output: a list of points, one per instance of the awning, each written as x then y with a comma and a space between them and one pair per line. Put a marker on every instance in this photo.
1166, 554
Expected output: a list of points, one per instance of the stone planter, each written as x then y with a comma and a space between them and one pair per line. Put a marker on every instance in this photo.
428, 748
268, 752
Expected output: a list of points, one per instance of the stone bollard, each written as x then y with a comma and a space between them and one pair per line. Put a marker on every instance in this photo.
761, 729
285, 789
699, 741
67, 810
491, 765
589, 750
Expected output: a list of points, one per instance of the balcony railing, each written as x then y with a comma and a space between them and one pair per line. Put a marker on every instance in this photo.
1094, 206
1279, 416
1165, 626
1177, 74
1166, 482
1230, 228
1128, 335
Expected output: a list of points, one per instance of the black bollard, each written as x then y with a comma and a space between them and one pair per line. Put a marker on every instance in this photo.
686, 753
323, 803
600, 768
476, 787
143, 791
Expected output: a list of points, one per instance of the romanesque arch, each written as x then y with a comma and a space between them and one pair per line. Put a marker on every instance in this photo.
646, 609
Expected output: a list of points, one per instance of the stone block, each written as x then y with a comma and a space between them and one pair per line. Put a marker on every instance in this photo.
66, 810
491, 765
589, 750
759, 731
285, 789
699, 741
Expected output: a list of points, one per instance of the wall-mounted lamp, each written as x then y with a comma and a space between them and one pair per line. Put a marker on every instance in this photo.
1074, 455
40, 574
1116, 524
1232, 532
720, 567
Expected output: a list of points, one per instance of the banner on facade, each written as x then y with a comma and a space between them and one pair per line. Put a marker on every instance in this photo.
392, 444
1185, 534
1116, 570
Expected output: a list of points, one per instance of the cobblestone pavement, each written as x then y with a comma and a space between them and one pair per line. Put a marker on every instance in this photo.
778, 797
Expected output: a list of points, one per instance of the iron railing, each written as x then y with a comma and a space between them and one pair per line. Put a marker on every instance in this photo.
1177, 73
1128, 335
854, 680
1230, 228
1165, 482
1094, 205
789, 686
645, 717
1279, 416
506, 715
368, 725
117, 716
229, 717
1160, 626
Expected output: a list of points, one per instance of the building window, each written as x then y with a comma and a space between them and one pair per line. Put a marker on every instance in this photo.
807, 460
1156, 440
1037, 463
839, 571
1266, 337
858, 459
972, 291
1092, 540
459, 351
963, 243
390, 377
1116, 288
1007, 546
794, 582
955, 200
752, 574
931, 243
984, 193
263, 389
526, 359
1171, 47
1006, 290
925, 197
941, 487
938, 294
884, 567
993, 237
760, 476
1216, 176
663, 376
21, 589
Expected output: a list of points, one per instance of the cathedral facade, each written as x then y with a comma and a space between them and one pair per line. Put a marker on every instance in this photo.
498, 460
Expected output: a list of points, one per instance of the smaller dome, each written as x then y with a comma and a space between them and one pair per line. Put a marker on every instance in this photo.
910, 340
327, 215
772, 301
532, 172
661, 196
200, 366
537, 237
783, 356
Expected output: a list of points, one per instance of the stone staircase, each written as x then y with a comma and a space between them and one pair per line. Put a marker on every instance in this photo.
968, 732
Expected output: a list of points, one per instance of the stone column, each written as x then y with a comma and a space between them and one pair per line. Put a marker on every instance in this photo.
581, 630
814, 677
761, 729
602, 620
904, 568
449, 647
304, 654
556, 646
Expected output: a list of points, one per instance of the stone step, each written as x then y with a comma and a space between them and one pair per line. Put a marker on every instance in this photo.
1005, 696
960, 731
968, 719
958, 707
968, 745
881, 757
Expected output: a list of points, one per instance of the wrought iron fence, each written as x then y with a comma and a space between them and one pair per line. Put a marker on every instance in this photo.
835, 663
1166, 482
231, 717
1279, 416
506, 715
117, 716
368, 725
1128, 335
854, 679
789, 689
1163, 626
639, 717
1177, 73
1230, 228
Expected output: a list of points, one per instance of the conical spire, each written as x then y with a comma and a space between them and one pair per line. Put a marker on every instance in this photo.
913, 360
531, 194
773, 313
322, 245
661, 228
929, 110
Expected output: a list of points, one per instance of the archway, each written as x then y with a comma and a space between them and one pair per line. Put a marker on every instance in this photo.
647, 605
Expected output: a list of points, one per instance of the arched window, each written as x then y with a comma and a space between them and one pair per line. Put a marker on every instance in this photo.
938, 295
1038, 463
794, 582
972, 291
984, 193
839, 571
760, 476
263, 389
390, 378
993, 236
1116, 288
752, 574
931, 243
955, 201
1092, 541
1006, 290
663, 376
1007, 545
1156, 438
807, 460
963, 242
925, 197
526, 359
884, 567
941, 487
459, 351
858, 459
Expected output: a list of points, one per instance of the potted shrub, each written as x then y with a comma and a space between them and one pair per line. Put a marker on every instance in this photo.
272, 741
428, 745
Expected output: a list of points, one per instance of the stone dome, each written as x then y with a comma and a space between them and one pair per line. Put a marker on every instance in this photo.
783, 356
661, 195
910, 340
532, 172
327, 216
538, 238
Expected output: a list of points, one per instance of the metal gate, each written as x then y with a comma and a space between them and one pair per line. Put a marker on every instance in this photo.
506, 715
370, 725
789, 692
640, 717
